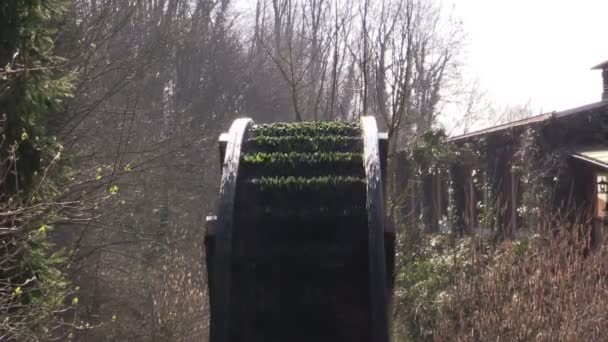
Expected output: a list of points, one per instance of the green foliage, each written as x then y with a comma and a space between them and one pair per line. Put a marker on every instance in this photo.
33, 276
425, 279
430, 151
534, 169
521, 247
33, 86
487, 215
113, 189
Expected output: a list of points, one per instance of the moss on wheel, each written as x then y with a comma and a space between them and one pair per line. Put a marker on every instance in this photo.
302, 164
307, 194
308, 183
303, 143
293, 158
307, 129
303, 169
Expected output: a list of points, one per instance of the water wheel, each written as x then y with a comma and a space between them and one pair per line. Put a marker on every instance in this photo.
299, 249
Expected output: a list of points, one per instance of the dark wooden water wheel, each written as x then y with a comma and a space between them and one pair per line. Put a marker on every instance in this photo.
299, 249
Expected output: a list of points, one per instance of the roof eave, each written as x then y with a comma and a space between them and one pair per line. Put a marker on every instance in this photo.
532, 120
590, 160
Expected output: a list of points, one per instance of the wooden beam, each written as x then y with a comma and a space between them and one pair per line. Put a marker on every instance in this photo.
376, 229
514, 203
458, 198
222, 257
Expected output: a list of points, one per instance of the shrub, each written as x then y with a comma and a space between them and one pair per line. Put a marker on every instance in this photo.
542, 289
424, 282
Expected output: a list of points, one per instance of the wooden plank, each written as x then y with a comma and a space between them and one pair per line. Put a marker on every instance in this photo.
470, 202
375, 217
514, 203
222, 143
457, 175
383, 150
209, 243
222, 257
436, 209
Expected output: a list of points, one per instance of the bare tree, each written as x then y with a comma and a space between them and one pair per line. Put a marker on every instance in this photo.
158, 81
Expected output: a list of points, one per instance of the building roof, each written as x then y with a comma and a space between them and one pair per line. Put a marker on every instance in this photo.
596, 156
533, 119
601, 66
522, 122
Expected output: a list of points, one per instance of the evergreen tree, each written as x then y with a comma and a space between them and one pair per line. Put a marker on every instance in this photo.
33, 86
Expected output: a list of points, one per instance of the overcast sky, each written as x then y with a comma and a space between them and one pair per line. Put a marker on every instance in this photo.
536, 50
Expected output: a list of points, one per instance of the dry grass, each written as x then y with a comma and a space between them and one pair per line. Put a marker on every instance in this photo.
542, 289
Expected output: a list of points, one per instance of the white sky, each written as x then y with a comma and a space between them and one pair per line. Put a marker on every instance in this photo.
537, 51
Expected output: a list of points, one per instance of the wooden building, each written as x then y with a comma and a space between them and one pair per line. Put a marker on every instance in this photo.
550, 164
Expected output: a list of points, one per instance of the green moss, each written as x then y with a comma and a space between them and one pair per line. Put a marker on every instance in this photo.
314, 165
304, 143
306, 212
294, 158
309, 183
300, 164
307, 129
